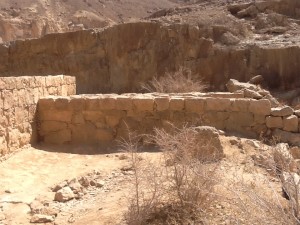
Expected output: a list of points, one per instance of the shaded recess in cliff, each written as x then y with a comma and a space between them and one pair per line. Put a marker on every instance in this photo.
119, 58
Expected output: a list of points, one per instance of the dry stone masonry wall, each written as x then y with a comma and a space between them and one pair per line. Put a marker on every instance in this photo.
18, 102
101, 119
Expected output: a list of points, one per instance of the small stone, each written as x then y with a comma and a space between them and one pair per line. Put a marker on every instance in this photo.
75, 186
100, 184
256, 80
252, 94
63, 195
92, 182
39, 218
60, 186
84, 181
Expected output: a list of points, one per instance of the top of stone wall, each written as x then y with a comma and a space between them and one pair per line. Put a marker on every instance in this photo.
20, 82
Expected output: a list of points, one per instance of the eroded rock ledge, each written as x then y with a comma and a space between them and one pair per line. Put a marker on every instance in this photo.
119, 58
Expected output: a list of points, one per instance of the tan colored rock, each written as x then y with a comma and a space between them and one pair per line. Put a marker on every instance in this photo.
274, 122
287, 137
241, 119
63, 195
218, 104
176, 104
52, 126
256, 80
290, 123
40, 218
144, 104
252, 94
240, 105
282, 111
124, 103
234, 85
208, 138
259, 119
260, 107
59, 137
54, 115
195, 105
162, 103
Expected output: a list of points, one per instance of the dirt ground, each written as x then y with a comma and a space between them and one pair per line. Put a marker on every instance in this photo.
28, 176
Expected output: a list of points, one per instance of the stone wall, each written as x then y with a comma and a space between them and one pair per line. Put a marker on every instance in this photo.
18, 102
101, 119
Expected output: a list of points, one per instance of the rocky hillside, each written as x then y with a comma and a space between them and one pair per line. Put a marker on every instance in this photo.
35, 18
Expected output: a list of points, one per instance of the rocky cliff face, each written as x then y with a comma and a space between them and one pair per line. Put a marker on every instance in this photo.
119, 58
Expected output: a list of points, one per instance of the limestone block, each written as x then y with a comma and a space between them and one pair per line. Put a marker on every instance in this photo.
274, 122
94, 116
46, 104
71, 90
112, 121
261, 107
241, 119
143, 104
78, 118
13, 138
282, 111
9, 100
240, 105
259, 119
62, 103
40, 81
218, 104
77, 103
55, 115
252, 94
290, 123
52, 126
59, 137
104, 135
52, 90
194, 105
215, 119
21, 115
108, 103
124, 103
176, 104
162, 103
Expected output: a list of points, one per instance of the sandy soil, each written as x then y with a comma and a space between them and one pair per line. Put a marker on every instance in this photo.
30, 174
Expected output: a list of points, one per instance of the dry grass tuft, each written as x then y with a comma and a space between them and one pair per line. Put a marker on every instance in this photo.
180, 81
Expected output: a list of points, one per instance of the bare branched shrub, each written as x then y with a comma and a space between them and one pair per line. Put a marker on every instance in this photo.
180, 81
179, 192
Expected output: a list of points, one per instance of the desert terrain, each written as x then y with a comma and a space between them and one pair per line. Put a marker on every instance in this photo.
133, 112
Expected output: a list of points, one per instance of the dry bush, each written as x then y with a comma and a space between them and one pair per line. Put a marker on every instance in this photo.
262, 205
180, 81
259, 202
170, 193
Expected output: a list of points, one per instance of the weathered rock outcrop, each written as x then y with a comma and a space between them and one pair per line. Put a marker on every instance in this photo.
119, 58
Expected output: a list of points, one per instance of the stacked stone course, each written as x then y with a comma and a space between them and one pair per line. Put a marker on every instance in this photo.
18, 102
101, 119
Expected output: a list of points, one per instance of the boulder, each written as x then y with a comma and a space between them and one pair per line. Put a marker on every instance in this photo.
63, 195
208, 143
282, 111
290, 123
251, 11
291, 185
234, 85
